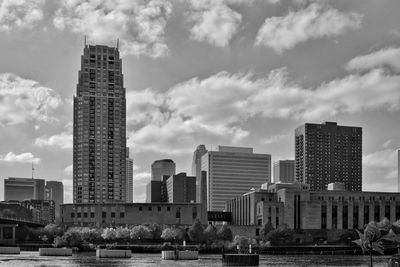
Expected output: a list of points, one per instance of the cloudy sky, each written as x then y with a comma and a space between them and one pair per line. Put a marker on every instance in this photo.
216, 72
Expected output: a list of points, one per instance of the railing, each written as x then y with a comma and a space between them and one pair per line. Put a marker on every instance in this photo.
10, 218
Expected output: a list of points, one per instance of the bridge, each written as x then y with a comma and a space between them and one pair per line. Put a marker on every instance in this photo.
8, 225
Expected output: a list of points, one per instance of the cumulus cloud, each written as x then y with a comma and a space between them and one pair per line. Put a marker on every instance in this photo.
213, 22
19, 158
23, 100
20, 14
62, 140
140, 25
68, 170
216, 108
387, 57
315, 21
275, 139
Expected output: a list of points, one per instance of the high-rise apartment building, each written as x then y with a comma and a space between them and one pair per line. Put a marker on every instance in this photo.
284, 171
55, 192
21, 189
129, 177
328, 153
196, 169
233, 171
181, 188
99, 160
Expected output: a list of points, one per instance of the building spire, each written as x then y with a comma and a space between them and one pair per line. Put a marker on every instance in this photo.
85, 40
117, 43
32, 169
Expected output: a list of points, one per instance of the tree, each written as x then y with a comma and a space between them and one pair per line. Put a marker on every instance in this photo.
283, 234
267, 227
210, 233
123, 233
196, 232
109, 234
156, 231
242, 241
140, 232
173, 234
51, 231
225, 233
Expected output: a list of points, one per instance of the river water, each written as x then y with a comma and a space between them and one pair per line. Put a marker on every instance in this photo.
32, 259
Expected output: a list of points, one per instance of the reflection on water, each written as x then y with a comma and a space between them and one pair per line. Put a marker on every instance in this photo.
32, 259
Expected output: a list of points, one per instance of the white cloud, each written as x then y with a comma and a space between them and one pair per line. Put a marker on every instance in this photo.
275, 139
23, 100
382, 159
20, 158
16, 14
215, 108
214, 22
388, 57
68, 170
140, 25
315, 21
62, 140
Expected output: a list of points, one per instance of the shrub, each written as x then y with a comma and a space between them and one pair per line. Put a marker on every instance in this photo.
109, 234
283, 234
267, 227
51, 231
210, 233
173, 234
123, 233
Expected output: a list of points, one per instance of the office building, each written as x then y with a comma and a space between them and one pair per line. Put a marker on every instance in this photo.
300, 208
181, 188
284, 171
21, 189
55, 192
129, 177
43, 211
233, 171
99, 138
161, 170
398, 170
162, 167
196, 169
328, 153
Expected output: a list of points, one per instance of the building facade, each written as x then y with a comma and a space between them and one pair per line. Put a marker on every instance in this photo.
301, 208
398, 170
163, 167
196, 169
129, 177
231, 172
113, 214
99, 138
55, 192
284, 171
43, 211
21, 189
328, 153
181, 188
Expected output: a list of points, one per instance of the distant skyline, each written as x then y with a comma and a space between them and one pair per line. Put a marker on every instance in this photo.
221, 72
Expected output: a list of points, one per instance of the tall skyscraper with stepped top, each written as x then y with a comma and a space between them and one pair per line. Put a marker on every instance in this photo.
99, 152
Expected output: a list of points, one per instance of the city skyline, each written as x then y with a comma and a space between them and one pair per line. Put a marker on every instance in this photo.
191, 82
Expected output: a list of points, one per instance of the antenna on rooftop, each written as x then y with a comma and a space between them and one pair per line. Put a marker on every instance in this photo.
85, 40
32, 169
117, 43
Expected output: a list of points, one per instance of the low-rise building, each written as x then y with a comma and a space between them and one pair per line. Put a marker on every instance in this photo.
112, 214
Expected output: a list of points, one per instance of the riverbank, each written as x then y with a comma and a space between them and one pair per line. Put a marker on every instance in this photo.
278, 250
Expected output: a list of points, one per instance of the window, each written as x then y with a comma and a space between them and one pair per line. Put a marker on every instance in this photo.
122, 215
72, 215
112, 214
140, 208
92, 215
168, 208
104, 214
85, 215
178, 214
78, 214
159, 208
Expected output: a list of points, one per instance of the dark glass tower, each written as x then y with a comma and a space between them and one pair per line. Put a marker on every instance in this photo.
99, 160
328, 153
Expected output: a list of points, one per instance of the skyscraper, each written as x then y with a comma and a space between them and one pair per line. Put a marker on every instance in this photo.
156, 189
99, 160
181, 188
284, 171
398, 170
129, 177
196, 169
233, 171
328, 153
